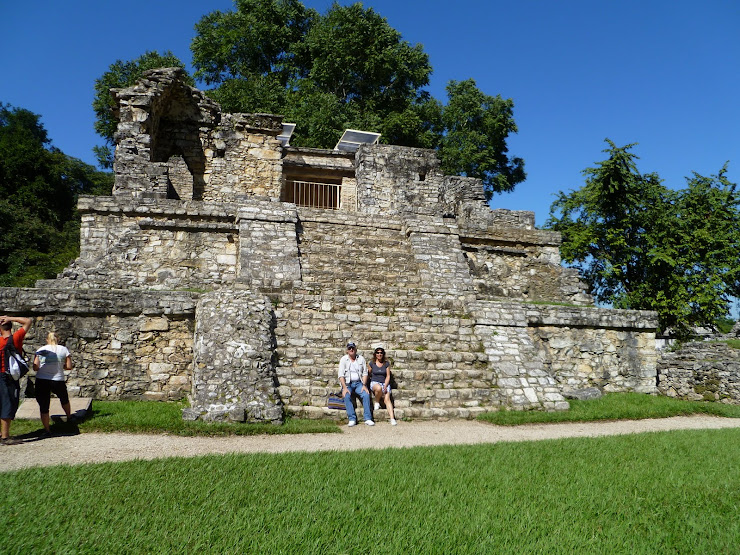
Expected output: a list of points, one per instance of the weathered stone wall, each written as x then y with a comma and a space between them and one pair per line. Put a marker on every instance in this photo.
124, 345
393, 180
521, 264
247, 142
173, 142
708, 371
268, 244
159, 245
233, 364
596, 347
435, 245
161, 120
522, 377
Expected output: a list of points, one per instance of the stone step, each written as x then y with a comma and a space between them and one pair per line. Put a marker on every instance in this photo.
457, 374
332, 238
322, 354
372, 322
393, 344
372, 253
29, 408
368, 339
416, 413
311, 294
404, 377
369, 261
371, 266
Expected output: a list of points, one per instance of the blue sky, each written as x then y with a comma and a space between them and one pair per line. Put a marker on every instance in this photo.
661, 73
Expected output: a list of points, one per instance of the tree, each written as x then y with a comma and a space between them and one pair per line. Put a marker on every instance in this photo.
349, 68
253, 41
641, 245
474, 143
39, 186
121, 74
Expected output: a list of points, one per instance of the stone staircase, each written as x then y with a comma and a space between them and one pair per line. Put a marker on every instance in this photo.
437, 360
362, 283
364, 257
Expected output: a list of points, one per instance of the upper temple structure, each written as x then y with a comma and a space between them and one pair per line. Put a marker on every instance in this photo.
232, 270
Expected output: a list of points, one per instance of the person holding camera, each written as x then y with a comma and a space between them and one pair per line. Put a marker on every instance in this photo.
10, 389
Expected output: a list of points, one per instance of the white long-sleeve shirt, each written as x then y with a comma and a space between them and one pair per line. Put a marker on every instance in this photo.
352, 370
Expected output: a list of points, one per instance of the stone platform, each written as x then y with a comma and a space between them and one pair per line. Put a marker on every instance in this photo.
29, 409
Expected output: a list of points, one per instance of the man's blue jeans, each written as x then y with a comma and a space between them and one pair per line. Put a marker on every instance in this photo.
356, 388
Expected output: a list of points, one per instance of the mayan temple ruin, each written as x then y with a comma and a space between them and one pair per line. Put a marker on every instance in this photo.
231, 269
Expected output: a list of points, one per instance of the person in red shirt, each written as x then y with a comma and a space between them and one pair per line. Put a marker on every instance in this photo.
9, 388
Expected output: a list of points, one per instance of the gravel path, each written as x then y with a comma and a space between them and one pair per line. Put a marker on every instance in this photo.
94, 448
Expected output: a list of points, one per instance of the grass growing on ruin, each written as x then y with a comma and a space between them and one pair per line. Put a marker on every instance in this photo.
154, 417
614, 406
734, 343
668, 492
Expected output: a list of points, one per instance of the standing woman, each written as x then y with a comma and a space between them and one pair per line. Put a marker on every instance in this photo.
380, 381
50, 362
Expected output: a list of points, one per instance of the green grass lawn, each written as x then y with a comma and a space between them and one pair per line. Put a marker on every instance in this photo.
154, 417
614, 406
668, 492
158, 417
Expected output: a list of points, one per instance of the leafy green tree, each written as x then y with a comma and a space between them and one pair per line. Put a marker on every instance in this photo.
474, 142
39, 186
121, 74
345, 69
641, 245
253, 41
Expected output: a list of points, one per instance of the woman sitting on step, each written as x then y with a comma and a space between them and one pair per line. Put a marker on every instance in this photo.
380, 381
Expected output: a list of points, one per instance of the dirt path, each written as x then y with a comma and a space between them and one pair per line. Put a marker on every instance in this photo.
92, 448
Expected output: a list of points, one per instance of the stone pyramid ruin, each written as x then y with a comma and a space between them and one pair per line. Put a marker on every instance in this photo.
230, 270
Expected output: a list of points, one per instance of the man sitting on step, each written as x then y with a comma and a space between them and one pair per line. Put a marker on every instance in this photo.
353, 378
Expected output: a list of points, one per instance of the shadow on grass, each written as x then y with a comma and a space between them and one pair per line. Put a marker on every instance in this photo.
156, 417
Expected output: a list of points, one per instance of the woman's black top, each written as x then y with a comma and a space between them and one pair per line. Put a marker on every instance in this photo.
378, 373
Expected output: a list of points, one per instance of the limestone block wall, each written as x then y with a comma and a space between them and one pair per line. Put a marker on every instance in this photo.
435, 245
233, 362
521, 376
167, 245
521, 264
701, 371
124, 345
244, 158
393, 180
596, 347
268, 244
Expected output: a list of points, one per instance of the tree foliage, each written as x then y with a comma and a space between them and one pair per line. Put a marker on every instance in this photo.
474, 143
121, 74
39, 186
345, 69
641, 245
